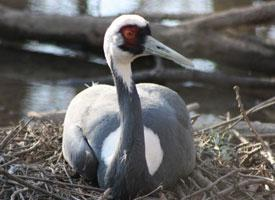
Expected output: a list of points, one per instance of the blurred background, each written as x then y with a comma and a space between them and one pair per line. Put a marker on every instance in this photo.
39, 76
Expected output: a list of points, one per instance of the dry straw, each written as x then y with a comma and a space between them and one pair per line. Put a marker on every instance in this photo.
229, 165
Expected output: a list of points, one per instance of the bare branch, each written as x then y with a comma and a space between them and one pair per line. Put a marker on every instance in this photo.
177, 75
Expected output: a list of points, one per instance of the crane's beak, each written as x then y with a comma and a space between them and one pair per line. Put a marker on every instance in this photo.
155, 47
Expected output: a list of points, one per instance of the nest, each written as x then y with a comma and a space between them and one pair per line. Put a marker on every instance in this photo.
229, 166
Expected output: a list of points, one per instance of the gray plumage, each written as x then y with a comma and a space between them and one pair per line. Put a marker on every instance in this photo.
101, 109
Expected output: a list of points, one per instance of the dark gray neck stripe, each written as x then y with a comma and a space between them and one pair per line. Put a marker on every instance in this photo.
130, 111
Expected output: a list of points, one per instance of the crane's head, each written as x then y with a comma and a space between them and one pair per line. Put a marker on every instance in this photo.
129, 37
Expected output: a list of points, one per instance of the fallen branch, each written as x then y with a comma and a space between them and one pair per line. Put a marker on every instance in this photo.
177, 75
197, 37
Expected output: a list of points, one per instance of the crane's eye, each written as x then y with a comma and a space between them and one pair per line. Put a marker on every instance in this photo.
133, 38
130, 34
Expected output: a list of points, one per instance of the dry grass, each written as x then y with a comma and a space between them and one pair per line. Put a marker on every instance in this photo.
229, 166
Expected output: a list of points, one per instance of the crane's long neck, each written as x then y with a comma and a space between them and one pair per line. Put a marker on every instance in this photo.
130, 110
128, 170
130, 161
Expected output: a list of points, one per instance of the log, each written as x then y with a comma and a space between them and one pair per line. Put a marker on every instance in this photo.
82, 30
200, 36
179, 75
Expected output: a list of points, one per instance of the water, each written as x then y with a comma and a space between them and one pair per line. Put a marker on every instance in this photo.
31, 82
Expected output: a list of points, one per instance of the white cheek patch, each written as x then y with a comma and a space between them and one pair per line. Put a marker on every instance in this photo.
153, 150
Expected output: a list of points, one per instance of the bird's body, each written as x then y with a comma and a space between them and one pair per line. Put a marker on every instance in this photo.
130, 138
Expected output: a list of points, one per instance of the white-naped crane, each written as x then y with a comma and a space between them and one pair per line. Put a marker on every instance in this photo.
130, 138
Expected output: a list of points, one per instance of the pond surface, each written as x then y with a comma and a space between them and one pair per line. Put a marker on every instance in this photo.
32, 81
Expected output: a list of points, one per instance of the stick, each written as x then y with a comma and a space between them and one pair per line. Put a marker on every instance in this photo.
13, 134
13, 196
245, 183
150, 193
260, 106
209, 187
265, 146
245, 117
61, 183
9, 162
30, 186
34, 146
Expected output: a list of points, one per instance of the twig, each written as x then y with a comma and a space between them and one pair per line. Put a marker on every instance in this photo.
200, 179
28, 185
12, 134
240, 138
106, 194
152, 192
245, 117
13, 196
67, 174
9, 162
61, 183
245, 183
34, 146
255, 176
250, 154
263, 135
210, 186
268, 152
191, 180
258, 107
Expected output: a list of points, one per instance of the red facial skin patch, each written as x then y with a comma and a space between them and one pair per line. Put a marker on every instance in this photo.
130, 34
